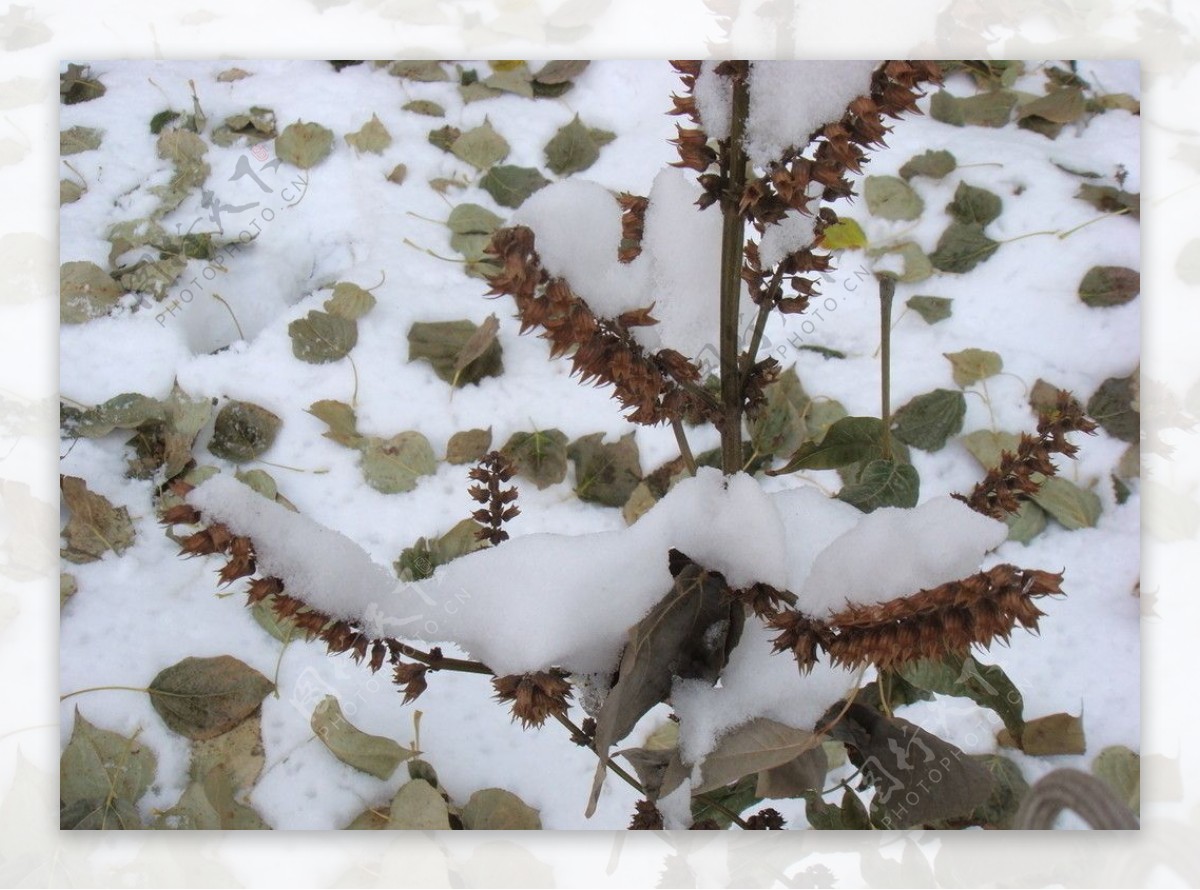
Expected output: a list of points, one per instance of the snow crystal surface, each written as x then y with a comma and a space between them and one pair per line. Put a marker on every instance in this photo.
894, 552
789, 100
788, 235
713, 101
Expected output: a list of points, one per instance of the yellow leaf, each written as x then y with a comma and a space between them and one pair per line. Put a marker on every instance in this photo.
845, 234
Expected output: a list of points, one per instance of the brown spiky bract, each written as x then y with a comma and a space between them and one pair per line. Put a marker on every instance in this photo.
1020, 474
654, 387
534, 696
646, 817
492, 471
934, 623
411, 678
767, 819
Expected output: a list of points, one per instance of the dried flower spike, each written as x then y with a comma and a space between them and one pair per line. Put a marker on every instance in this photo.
534, 696
493, 470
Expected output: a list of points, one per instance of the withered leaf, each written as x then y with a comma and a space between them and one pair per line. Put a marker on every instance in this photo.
1053, 734
350, 301
1121, 769
418, 806
931, 309
780, 427
421, 559
985, 684
372, 137
928, 420
495, 809
422, 70
481, 147
1063, 106
391, 466
1108, 199
304, 145
1112, 406
85, 292
441, 343
372, 754
201, 698
890, 197
797, 777
322, 337
575, 147
478, 344
510, 185
1109, 285
76, 85
605, 473
98, 763
95, 526
341, 420
972, 204
78, 139
243, 431
932, 163
751, 748
1072, 506
688, 635
210, 803
540, 456
962, 247
560, 71
972, 365
425, 107
846, 441
468, 446
991, 109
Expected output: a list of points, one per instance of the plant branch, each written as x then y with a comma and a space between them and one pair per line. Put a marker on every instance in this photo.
887, 290
685, 450
733, 237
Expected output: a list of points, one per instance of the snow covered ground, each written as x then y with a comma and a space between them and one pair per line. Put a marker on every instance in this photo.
343, 220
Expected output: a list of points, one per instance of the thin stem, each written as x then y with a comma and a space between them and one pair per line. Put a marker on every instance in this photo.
145, 689
685, 450
887, 290
733, 238
445, 664
229, 309
577, 732
717, 805
319, 472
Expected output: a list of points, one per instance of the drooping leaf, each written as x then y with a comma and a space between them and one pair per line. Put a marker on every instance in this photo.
468, 446
1109, 199
985, 684
540, 456
751, 748
1072, 506
845, 234
201, 698
350, 301
341, 420
605, 474
441, 344
928, 420
1121, 769
798, 777
931, 309
1113, 407
481, 341
97, 764
78, 139
509, 185
372, 754
95, 526
391, 466
372, 137
418, 806
918, 777
1053, 734
847, 441
243, 431
688, 635
85, 292
972, 365
991, 109
962, 247
494, 809
1109, 285
304, 145
421, 559
481, 147
575, 147
890, 197
972, 204
425, 107
883, 483
932, 163
322, 337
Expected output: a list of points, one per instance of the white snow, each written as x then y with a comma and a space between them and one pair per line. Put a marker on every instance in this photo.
792, 233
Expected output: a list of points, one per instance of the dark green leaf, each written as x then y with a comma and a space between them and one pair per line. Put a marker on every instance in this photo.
847, 441
304, 145
883, 483
972, 365
1008, 790
442, 343
931, 163
963, 676
372, 754
717, 805
392, 466
161, 119
471, 219
203, 697
850, 816
890, 197
540, 456
605, 474
95, 526
962, 247
931, 309
468, 446
510, 185
928, 420
986, 110
243, 431
75, 85
1072, 506
974, 205
575, 147
1108, 199
1109, 285
494, 809
322, 337
1112, 406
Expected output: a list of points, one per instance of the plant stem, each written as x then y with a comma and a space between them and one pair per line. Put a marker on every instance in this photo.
685, 450
733, 237
887, 290
446, 664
